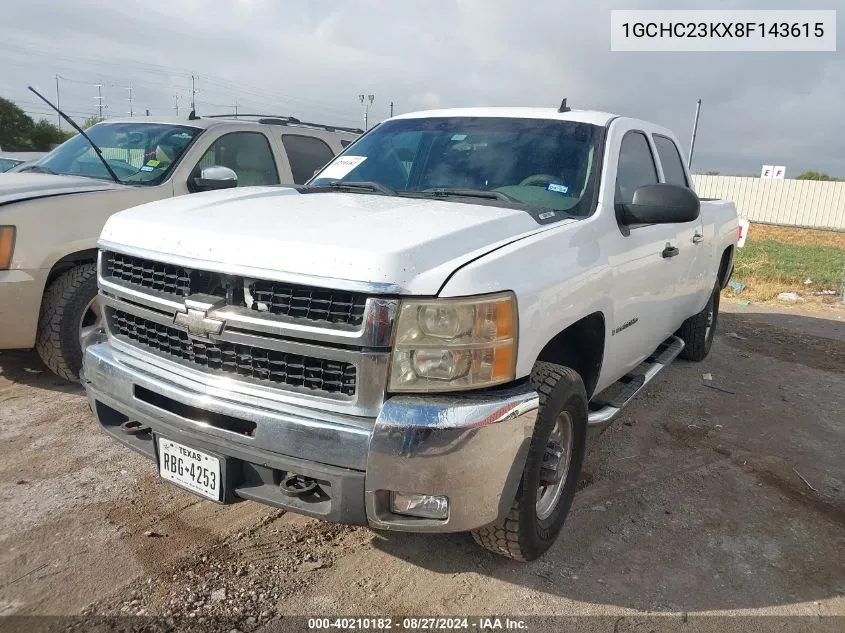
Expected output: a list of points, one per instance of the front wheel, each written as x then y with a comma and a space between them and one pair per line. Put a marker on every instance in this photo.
69, 314
551, 471
697, 331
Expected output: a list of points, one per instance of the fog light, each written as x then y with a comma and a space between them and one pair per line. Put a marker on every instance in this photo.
423, 506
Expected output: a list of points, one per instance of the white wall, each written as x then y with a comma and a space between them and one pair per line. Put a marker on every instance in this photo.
810, 203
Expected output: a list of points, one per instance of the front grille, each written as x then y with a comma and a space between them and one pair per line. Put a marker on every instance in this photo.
309, 303
293, 301
265, 365
142, 273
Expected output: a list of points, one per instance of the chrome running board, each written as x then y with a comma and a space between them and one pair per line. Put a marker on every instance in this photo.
607, 405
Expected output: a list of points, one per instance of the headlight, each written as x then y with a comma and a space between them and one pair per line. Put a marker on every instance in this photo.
454, 344
7, 246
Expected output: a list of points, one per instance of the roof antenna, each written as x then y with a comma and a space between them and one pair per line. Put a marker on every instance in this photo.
193, 116
563, 107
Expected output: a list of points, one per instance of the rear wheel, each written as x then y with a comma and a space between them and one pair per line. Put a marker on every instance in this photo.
551, 471
69, 314
698, 330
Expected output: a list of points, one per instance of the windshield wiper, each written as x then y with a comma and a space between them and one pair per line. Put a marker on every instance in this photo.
70, 121
461, 193
365, 186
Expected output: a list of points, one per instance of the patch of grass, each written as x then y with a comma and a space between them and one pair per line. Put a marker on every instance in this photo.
780, 259
791, 235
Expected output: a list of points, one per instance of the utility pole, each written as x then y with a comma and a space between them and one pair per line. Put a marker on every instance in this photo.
193, 92
99, 99
131, 112
58, 104
694, 132
391, 109
176, 104
236, 109
366, 101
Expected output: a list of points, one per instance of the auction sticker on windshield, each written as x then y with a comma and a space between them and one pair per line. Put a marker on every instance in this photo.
189, 468
342, 166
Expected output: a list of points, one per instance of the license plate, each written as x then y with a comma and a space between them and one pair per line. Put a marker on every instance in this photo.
189, 468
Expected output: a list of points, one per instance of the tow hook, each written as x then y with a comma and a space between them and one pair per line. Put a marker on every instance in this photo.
294, 485
133, 427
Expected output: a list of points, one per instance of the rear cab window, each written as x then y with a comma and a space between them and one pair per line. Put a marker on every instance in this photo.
670, 159
306, 154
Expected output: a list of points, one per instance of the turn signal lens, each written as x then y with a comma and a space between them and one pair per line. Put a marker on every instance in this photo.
7, 246
454, 344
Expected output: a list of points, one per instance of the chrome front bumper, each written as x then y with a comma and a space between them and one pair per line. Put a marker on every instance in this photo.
470, 448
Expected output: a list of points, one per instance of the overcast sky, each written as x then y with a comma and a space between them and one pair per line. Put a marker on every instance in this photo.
313, 59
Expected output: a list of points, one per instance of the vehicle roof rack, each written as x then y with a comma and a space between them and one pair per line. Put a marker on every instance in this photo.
273, 119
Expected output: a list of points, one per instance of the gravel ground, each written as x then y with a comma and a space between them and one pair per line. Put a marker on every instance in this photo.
696, 501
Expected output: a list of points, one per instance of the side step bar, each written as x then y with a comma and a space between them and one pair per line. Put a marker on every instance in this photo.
616, 397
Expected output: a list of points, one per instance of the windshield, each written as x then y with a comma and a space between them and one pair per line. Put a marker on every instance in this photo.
139, 153
535, 162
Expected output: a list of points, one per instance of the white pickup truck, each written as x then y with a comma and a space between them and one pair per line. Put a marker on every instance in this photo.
421, 337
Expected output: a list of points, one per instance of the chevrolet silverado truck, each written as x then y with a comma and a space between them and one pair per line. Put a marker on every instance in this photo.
52, 210
421, 337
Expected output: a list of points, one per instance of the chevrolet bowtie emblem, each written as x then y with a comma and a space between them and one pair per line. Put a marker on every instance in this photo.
197, 323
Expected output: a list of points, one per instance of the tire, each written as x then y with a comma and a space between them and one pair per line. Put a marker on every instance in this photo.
523, 534
697, 331
64, 305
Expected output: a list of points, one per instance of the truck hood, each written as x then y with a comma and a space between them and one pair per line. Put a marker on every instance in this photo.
370, 243
17, 187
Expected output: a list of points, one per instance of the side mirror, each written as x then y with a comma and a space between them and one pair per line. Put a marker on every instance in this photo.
212, 178
660, 204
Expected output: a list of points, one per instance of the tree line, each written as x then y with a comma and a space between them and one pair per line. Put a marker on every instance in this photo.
19, 133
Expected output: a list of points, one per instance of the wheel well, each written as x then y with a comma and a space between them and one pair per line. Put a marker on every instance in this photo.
580, 347
67, 262
726, 266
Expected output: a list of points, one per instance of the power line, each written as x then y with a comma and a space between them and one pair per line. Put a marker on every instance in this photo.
215, 80
226, 88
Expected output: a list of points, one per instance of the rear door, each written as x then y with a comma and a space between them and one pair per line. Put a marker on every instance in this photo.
689, 283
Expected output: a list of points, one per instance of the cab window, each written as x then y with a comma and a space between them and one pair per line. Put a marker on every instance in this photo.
248, 154
306, 155
636, 167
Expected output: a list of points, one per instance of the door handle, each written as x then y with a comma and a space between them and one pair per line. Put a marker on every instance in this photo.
697, 238
669, 251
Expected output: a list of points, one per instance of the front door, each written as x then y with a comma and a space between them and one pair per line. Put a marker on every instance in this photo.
647, 266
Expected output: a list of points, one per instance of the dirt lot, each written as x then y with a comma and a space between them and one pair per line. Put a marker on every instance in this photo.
725, 499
